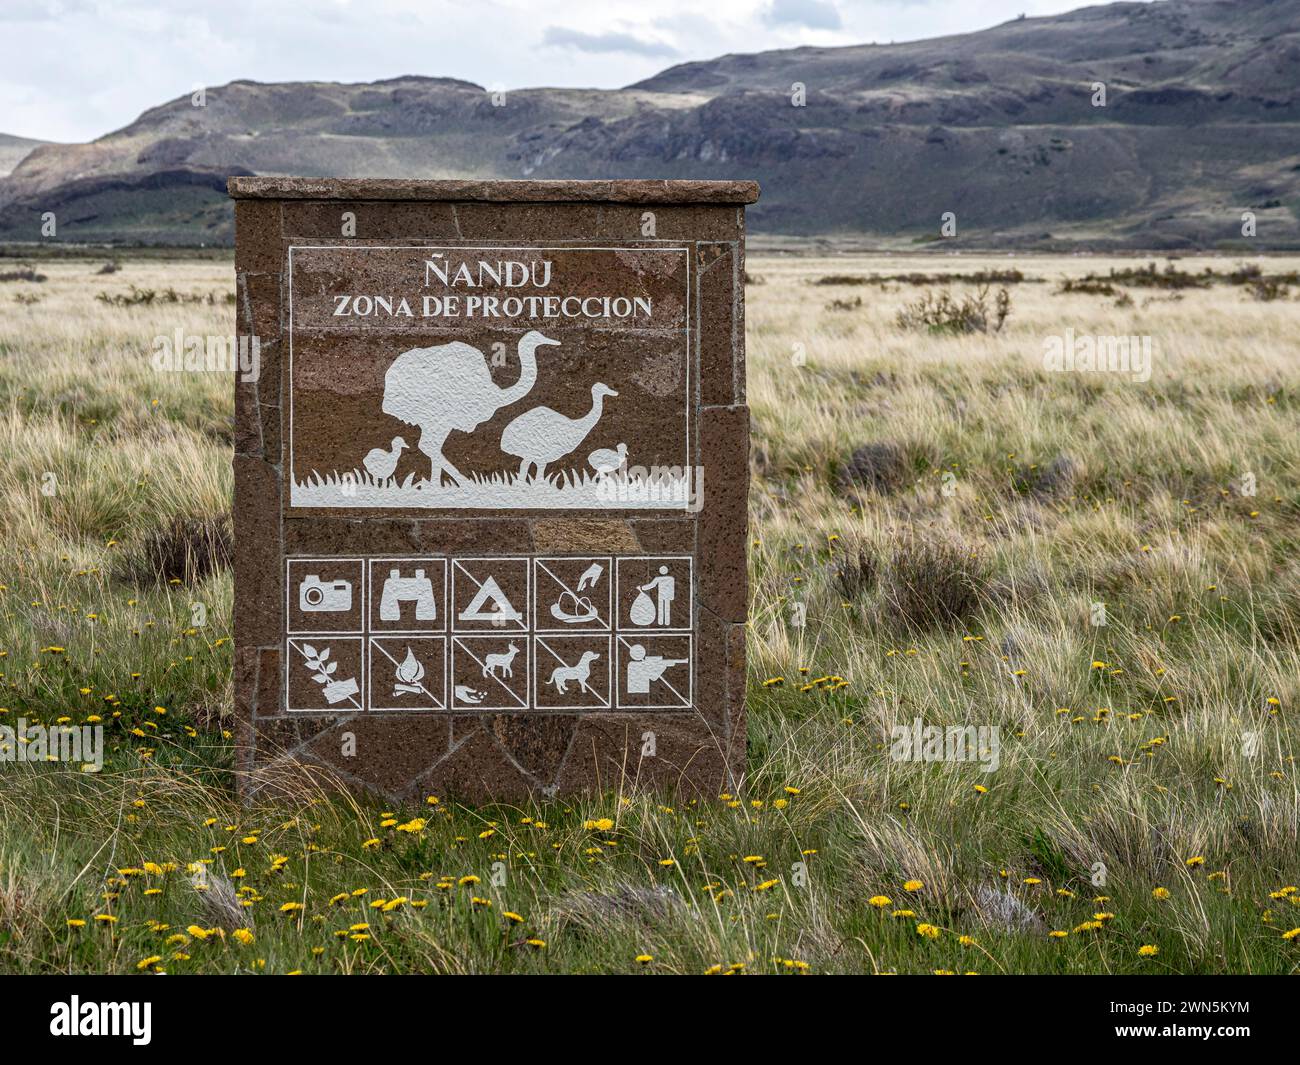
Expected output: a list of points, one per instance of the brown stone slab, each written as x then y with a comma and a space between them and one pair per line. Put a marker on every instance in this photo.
479, 770
338, 536
722, 543
668, 222
272, 435
616, 191
471, 535
257, 237
441, 377
491, 487
577, 534
245, 681
258, 310
268, 682
713, 697
269, 380
659, 535
258, 610
342, 219
537, 742
718, 289
248, 420
549, 221
391, 754
607, 753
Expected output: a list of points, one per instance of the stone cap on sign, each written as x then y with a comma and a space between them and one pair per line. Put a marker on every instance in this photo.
613, 191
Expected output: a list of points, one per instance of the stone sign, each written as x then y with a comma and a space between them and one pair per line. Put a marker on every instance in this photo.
490, 484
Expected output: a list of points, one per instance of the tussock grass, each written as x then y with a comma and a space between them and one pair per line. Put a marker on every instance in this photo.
947, 515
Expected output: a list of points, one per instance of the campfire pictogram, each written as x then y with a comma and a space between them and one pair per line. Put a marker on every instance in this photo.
409, 675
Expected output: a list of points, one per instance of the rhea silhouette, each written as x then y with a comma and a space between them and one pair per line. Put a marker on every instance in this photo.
381, 463
449, 387
542, 435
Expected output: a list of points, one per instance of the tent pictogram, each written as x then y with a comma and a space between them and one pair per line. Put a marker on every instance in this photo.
490, 594
501, 610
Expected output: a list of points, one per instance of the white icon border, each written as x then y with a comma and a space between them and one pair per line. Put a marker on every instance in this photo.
372, 612
554, 628
619, 625
362, 680
528, 631
622, 638
371, 640
521, 626
538, 683
288, 596
526, 646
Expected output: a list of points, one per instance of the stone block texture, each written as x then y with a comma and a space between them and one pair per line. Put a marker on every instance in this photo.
680, 244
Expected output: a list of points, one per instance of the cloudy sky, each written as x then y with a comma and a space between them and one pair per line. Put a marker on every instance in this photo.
76, 69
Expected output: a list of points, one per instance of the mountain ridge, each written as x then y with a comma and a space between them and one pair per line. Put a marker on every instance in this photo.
1200, 124
13, 150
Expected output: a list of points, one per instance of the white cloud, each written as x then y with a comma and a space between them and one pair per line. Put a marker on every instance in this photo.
76, 69
815, 14
596, 43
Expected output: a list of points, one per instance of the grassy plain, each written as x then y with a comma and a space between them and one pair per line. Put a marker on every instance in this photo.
1102, 569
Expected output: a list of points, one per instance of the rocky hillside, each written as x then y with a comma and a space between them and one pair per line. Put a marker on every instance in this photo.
1201, 122
13, 150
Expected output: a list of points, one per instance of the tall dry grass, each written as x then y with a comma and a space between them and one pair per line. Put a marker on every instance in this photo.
950, 573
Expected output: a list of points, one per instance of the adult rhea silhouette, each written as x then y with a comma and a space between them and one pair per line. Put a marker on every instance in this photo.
542, 435
449, 387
